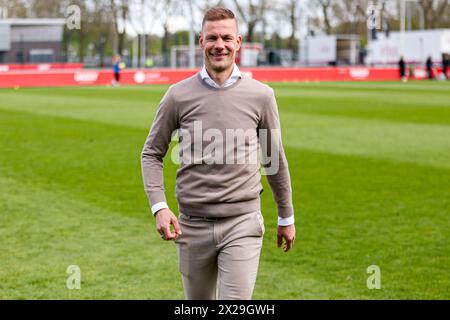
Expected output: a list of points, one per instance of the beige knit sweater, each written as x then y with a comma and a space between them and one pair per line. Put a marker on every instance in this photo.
220, 130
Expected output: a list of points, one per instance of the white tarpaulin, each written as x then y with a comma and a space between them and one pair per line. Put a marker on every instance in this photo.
318, 50
418, 46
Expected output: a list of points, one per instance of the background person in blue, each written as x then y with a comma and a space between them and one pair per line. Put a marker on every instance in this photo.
116, 70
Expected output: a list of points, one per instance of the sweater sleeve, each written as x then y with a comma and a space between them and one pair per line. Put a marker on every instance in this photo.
274, 159
155, 148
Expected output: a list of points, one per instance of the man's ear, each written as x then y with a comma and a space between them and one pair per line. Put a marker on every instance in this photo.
200, 40
239, 42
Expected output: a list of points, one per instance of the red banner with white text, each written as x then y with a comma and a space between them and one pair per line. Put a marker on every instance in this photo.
73, 77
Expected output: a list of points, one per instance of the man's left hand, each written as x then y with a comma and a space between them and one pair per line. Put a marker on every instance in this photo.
288, 234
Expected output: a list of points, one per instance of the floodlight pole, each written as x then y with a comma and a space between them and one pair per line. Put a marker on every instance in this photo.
299, 21
142, 37
402, 26
191, 38
303, 33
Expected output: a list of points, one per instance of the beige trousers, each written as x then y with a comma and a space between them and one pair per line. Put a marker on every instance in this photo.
218, 258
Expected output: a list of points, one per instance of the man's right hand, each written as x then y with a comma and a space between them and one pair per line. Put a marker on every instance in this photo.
165, 218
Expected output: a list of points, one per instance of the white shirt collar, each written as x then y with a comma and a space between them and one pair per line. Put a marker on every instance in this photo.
235, 75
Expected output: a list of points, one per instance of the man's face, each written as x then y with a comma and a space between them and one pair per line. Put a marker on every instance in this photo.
220, 42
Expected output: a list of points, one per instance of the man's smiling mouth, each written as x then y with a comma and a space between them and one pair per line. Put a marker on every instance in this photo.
219, 54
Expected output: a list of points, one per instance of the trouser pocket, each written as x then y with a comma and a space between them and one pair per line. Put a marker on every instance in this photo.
260, 221
183, 258
183, 248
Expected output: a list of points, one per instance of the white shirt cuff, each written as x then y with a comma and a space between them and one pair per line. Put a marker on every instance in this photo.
286, 221
158, 206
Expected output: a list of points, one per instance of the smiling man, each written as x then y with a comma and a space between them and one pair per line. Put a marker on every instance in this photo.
219, 230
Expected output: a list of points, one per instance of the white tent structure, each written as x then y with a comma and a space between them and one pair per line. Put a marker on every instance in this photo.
329, 49
418, 46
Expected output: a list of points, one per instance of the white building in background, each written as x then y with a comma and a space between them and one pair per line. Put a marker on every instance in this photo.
324, 50
418, 46
31, 40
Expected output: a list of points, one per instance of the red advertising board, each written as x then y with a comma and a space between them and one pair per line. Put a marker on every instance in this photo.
74, 77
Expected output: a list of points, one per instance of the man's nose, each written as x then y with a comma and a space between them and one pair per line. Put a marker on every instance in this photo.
219, 44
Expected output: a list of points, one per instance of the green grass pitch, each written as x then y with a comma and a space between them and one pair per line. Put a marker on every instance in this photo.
370, 169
